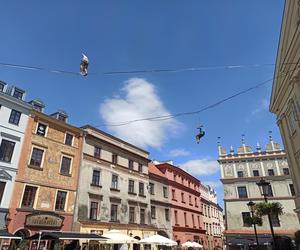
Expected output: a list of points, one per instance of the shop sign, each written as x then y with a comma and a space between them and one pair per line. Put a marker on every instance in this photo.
44, 220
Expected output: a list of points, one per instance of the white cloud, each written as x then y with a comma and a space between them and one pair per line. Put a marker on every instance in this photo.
263, 106
213, 184
139, 100
179, 152
201, 167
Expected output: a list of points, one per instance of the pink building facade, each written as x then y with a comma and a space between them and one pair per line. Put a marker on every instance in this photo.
184, 196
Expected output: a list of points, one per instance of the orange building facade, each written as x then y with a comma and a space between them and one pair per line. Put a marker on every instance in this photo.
44, 194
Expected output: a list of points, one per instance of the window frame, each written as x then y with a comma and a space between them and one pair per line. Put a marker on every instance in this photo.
143, 218
153, 212
12, 120
240, 187
46, 130
151, 188
240, 174
97, 210
96, 150
112, 178
284, 171
65, 203
34, 199
73, 137
271, 170
13, 143
255, 171
43, 157
130, 164
111, 210
141, 188
244, 216
114, 158
130, 181
132, 215
165, 192
3, 191
99, 178
70, 167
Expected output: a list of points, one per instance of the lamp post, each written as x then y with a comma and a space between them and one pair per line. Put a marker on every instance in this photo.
264, 187
251, 207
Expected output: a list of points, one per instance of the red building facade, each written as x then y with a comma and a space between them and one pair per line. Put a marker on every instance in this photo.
184, 196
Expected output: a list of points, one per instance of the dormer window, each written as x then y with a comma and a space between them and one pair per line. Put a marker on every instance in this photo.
37, 105
62, 117
18, 93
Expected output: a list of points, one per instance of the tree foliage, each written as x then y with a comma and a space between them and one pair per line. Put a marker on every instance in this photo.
265, 208
254, 220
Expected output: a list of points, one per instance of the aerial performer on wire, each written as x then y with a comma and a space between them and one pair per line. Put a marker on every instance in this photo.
84, 65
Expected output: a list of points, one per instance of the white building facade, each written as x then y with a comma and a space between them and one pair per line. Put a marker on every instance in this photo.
240, 173
14, 112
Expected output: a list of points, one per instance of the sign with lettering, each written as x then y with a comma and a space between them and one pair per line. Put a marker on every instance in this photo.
44, 220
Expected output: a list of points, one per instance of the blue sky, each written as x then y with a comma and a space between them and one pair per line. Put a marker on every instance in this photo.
137, 35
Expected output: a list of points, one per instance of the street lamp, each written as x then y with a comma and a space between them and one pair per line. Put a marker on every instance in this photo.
264, 187
251, 206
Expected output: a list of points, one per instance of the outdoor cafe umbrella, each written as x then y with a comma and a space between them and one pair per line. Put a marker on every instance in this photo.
116, 237
158, 240
192, 244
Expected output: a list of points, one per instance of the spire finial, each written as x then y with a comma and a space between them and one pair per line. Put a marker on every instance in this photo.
270, 135
219, 140
258, 147
243, 138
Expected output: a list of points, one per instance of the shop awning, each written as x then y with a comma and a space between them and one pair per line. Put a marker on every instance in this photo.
6, 235
248, 240
66, 236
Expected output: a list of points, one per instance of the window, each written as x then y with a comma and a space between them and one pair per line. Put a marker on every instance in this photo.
245, 216
18, 93
114, 212
182, 180
131, 214
153, 212
114, 181
96, 178
199, 221
41, 129
69, 139
196, 203
130, 164
14, 117
176, 217
2, 188
174, 177
97, 152
167, 214
60, 200
292, 189
131, 186
151, 187
269, 191
193, 221
114, 158
6, 150
255, 173
142, 216
62, 117
29, 196
65, 165
93, 210
275, 220
141, 188
173, 194
36, 157
182, 198
286, 171
165, 192
240, 173
270, 172
140, 167
190, 199
242, 191
185, 219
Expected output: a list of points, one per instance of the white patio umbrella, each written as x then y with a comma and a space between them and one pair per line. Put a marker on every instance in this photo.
192, 244
158, 240
116, 237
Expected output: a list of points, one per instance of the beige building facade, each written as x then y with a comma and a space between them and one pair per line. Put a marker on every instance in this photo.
285, 99
212, 215
239, 174
113, 190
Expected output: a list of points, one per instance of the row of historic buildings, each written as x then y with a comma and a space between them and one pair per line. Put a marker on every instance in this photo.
55, 176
